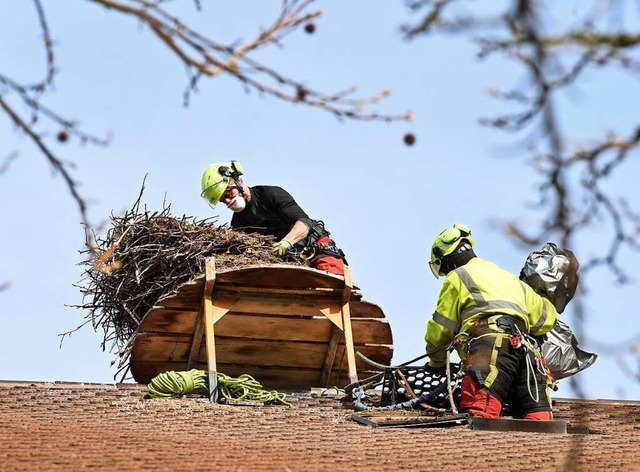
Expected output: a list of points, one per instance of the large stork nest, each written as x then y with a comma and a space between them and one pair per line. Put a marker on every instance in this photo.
147, 255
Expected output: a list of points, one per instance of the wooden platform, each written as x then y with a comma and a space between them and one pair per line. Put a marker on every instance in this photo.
282, 324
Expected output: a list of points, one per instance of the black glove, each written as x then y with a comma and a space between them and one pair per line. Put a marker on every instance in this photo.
435, 371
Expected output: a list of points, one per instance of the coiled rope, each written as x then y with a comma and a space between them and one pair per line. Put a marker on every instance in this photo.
243, 388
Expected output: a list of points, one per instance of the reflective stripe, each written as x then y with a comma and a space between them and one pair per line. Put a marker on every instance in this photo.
481, 304
541, 321
524, 292
492, 305
445, 322
471, 286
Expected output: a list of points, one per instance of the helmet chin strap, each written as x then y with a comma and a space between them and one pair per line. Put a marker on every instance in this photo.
463, 254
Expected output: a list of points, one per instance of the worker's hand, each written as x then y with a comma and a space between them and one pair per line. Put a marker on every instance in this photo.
435, 371
282, 247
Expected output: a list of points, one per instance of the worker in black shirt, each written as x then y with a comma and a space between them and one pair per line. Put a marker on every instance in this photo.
271, 210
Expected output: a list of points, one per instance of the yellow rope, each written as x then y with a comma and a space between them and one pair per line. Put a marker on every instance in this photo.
243, 388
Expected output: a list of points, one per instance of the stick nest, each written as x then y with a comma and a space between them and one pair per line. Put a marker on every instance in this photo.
146, 256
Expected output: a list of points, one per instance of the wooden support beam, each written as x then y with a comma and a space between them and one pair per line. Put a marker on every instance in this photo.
207, 303
346, 323
333, 311
196, 341
330, 357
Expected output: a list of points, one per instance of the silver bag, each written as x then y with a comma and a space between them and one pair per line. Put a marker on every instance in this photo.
553, 273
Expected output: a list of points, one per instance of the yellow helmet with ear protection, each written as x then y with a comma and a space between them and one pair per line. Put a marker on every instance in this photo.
445, 243
215, 179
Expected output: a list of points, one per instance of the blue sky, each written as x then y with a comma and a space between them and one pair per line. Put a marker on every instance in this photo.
384, 202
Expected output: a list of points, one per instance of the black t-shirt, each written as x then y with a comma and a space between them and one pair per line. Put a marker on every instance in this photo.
272, 211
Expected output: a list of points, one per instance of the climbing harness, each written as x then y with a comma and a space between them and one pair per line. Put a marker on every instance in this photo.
243, 388
531, 346
318, 243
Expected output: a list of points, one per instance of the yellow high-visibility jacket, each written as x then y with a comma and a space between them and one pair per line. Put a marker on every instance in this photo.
476, 290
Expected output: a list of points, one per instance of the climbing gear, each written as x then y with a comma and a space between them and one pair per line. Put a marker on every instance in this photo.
215, 179
321, 251
531, 345
243, 388
319, 243
282, 247
445, 243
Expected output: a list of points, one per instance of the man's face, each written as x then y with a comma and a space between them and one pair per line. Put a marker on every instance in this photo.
233, 190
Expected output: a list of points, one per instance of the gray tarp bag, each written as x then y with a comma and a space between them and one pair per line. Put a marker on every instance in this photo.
553, 273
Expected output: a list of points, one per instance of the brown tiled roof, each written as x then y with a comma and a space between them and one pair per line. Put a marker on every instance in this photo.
70, 426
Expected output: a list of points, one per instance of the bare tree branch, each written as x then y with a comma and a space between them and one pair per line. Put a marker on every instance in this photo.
203, 57
573, 196
553, 61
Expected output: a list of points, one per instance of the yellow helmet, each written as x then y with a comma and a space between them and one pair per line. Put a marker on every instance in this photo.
215, 179
445, 243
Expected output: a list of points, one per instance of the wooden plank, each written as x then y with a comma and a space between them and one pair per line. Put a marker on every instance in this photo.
234, 351
260, 326
257, 326
381, 354
188, 295
364, 309
330, 356
281, 275
164, 347
371, 331
281, 291
210, 311
280, 305
275, 377
169, 320
196, 340
277, 328
346, 322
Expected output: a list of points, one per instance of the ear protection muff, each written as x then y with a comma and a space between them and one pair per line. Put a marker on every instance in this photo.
464, 229
450, 235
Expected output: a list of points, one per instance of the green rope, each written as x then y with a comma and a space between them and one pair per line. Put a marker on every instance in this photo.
243, 388
370, 361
